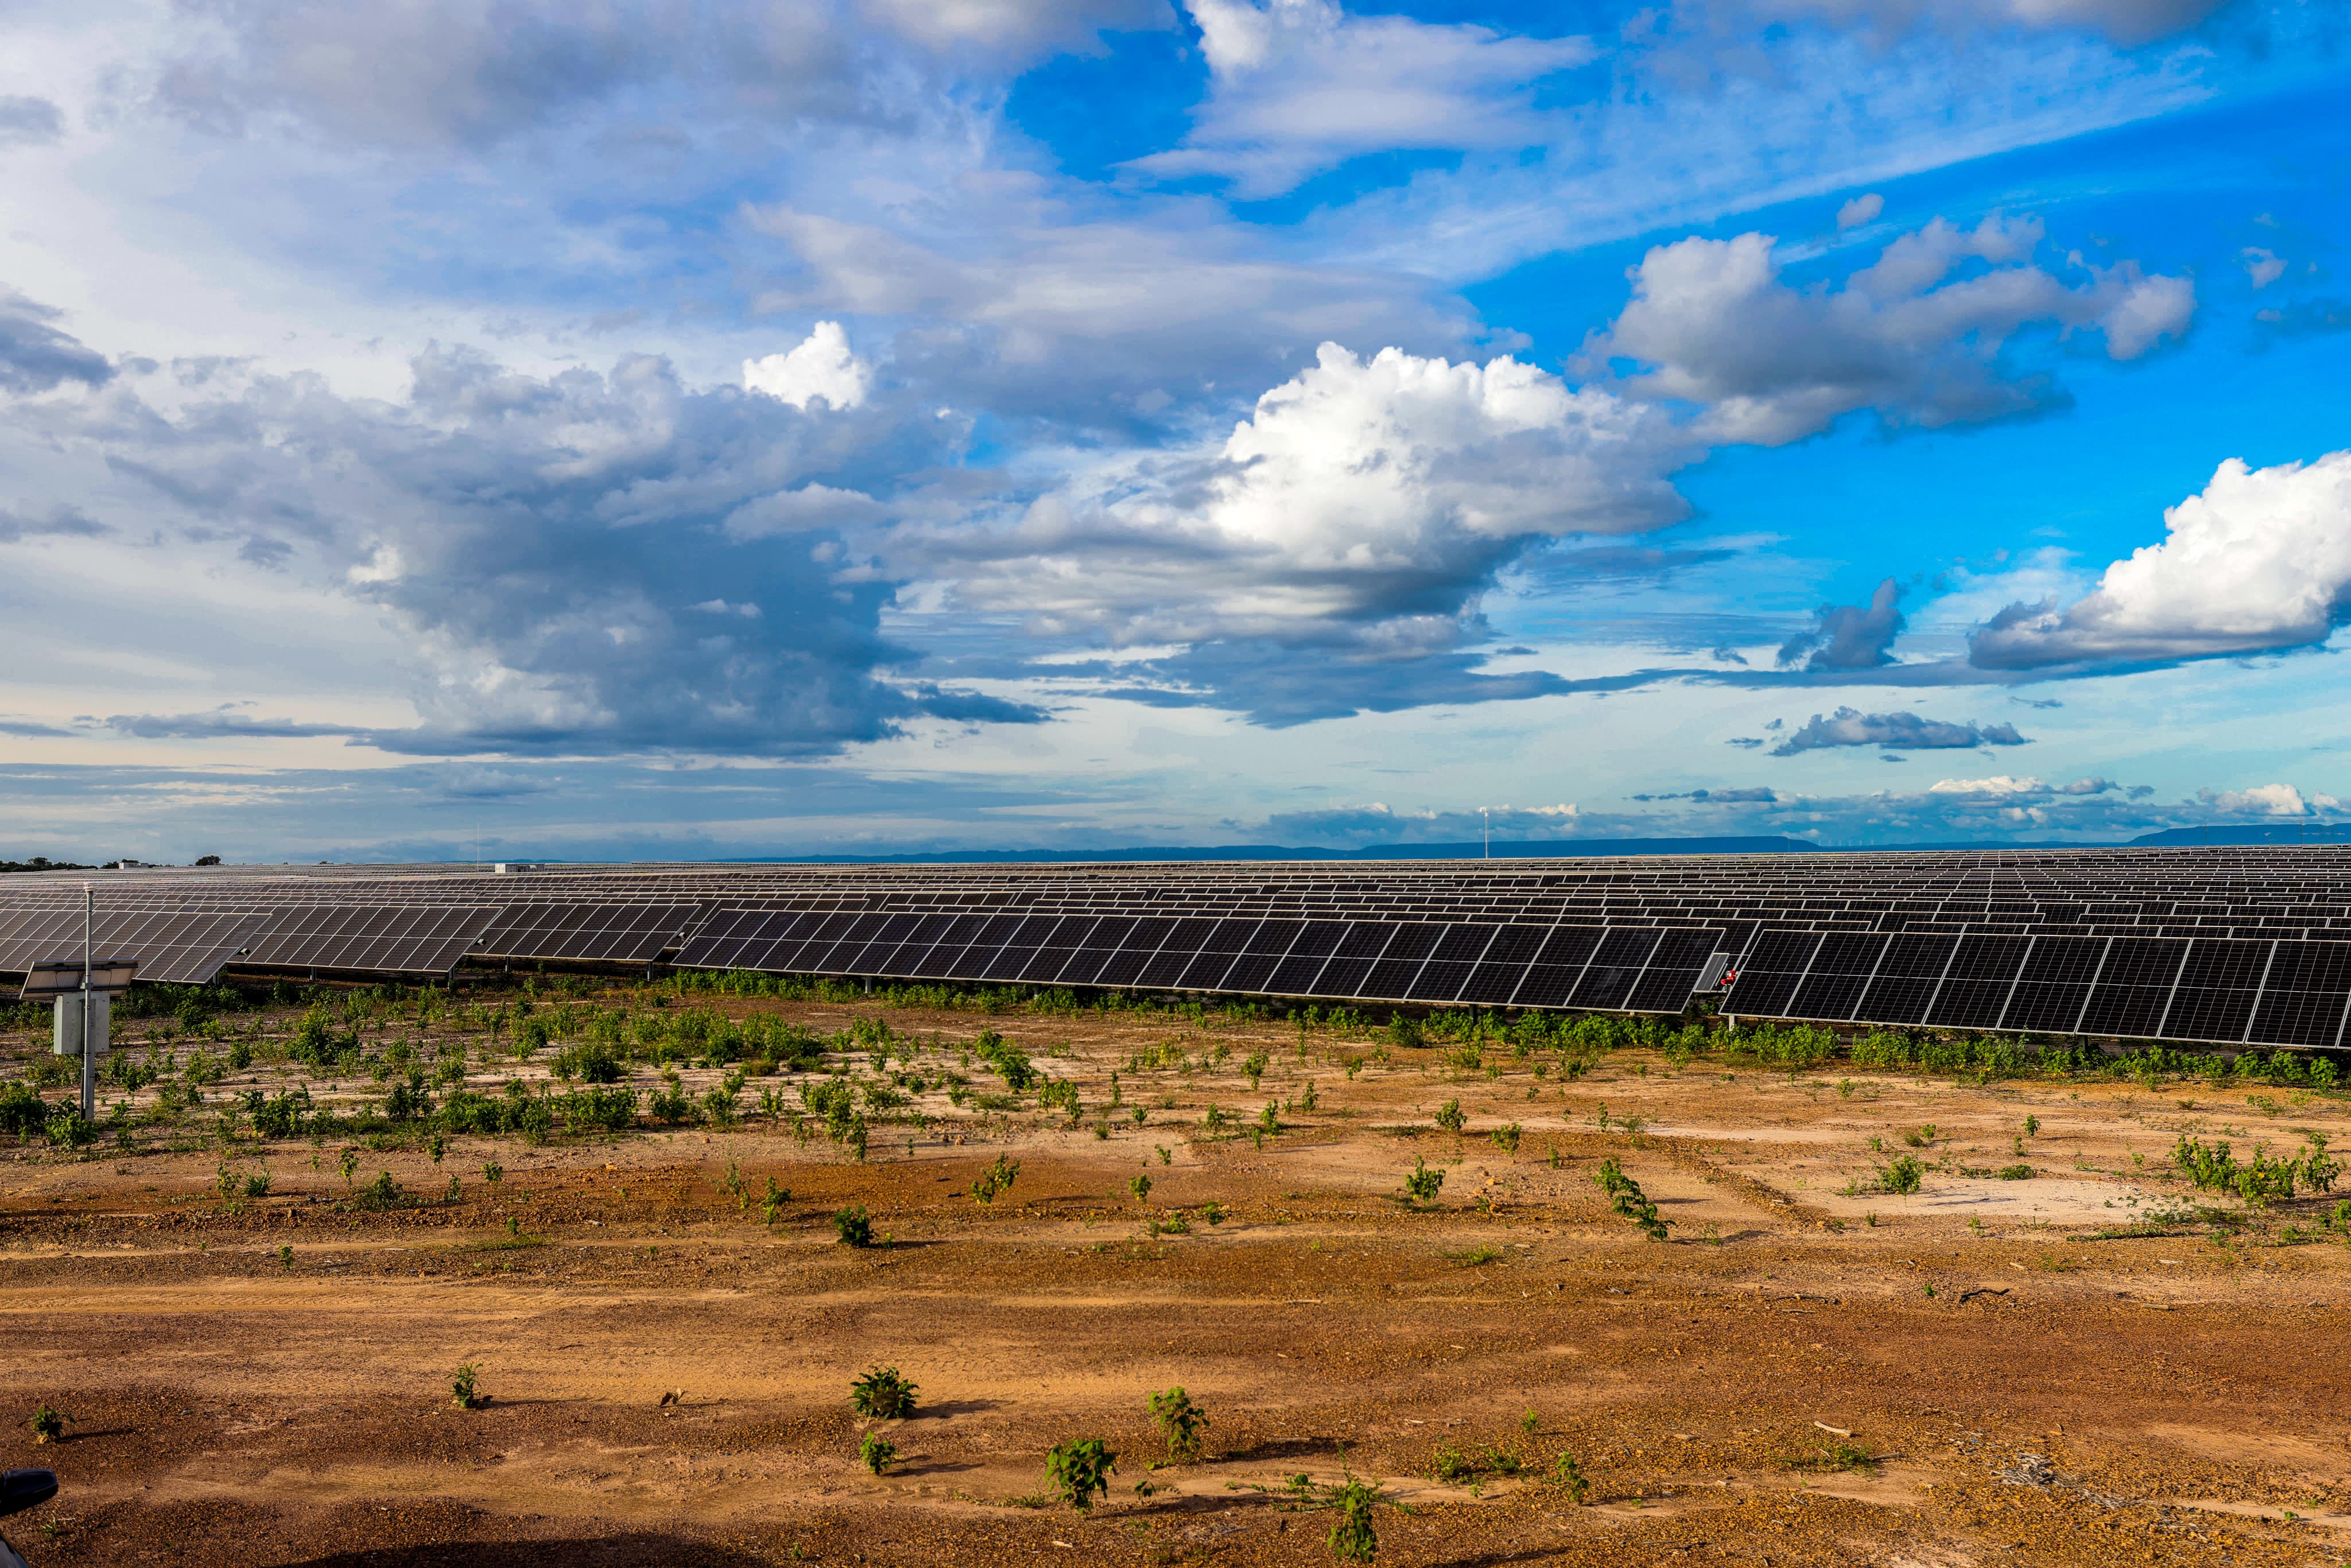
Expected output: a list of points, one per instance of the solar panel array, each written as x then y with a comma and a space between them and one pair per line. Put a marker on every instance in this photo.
171, 945
2211, 944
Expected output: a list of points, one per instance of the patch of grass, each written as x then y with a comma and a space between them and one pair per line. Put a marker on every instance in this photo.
1921, 1137
1476, 1257
2015, 1172
1840, 1454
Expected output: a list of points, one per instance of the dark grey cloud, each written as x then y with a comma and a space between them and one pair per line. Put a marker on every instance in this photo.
1850, 636
216, 723
557, 549
430, 73
1747, 797
1916, 337
60, 522
35, 356
29, 121
1849, 726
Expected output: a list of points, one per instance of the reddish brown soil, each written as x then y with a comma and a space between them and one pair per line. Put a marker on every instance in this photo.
2182, 1387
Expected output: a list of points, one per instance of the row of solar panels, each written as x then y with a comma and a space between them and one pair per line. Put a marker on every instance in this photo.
1643, 968
2289, 992
192, 947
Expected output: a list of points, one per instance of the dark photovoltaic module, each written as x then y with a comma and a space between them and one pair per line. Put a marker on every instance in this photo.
2232, 945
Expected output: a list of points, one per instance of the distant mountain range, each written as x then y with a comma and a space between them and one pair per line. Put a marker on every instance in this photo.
1562, 849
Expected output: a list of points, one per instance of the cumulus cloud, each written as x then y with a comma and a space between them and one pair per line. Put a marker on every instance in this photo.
1850, 636
552, 548
820, 369
1863, 209
2258, 801
35, 356
1301, 85
2261, 559
2264, 267
1849, 726
1712, 324
2003, 785
1363, 501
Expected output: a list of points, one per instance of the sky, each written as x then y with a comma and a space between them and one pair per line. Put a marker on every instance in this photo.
487, 429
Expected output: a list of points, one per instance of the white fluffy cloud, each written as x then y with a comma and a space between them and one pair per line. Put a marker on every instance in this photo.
2001, 786
1712, 323
2261, 559
1369, 498
2258, 801
1300, 85
821, 368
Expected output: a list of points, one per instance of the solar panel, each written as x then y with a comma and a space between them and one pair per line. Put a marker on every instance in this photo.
589, 933
401, 939
170, 946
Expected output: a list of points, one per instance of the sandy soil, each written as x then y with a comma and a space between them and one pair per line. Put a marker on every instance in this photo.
2019, 1370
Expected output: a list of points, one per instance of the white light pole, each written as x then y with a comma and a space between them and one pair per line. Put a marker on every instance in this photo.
89, 1071
1487, 812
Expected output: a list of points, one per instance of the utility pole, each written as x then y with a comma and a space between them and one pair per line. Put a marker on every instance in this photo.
88, 1067
1487, 812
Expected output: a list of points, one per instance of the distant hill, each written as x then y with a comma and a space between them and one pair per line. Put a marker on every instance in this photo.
1549, 848
2257, 833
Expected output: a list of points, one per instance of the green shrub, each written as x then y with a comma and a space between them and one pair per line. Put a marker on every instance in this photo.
995, 1180
854, 1224
1353, 1539
1423, 1182
1078, 1470
1180, 1423
1903, 1175
47, 1425
881, 1394
461, 1391
1626, 1197
876, 1451
1449, 1116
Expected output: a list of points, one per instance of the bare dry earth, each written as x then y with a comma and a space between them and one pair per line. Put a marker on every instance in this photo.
2030, 1394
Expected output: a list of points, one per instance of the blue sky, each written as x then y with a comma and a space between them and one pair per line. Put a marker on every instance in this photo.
663, 429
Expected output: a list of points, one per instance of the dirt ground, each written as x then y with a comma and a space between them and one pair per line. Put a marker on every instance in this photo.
2069, 1366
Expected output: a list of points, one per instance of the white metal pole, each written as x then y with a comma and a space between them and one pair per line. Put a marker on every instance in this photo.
89, 1077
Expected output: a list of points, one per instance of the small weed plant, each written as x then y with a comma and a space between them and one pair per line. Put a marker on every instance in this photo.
995, 1180
1626, 1197
1423, 1182
1079, 1471
463, 1393
855, 1225
1181, 1423
875, 1452
882, 1394
47, 1425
